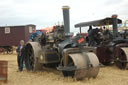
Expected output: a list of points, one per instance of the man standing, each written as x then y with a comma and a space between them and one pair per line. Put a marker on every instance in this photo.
92, 35
20, 57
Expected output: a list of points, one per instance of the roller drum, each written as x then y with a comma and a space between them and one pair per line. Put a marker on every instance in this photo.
87, 65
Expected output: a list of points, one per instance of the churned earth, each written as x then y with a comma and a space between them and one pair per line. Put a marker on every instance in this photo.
109, 75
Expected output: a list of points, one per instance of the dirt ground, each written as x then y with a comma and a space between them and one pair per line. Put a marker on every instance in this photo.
107, 76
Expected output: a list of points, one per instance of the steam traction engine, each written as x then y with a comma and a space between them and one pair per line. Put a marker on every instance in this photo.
67, 53
113, 47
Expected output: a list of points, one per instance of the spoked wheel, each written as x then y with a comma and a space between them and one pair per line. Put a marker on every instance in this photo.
31, 62
29, 58
69, 73
104, 55
121, 58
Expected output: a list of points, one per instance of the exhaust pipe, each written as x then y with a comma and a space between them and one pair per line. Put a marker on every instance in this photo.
115, 29
66, 19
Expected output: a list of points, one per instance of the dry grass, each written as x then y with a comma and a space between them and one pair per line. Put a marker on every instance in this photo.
106, 76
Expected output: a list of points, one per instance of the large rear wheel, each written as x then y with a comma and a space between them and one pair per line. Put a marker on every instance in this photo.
121, 57
31, 57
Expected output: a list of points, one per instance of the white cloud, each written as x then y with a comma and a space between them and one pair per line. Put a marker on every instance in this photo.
48, 12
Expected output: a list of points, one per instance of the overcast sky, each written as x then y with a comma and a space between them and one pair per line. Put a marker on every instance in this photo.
44, 13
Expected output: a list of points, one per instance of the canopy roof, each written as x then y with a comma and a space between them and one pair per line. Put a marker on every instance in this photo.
100, 22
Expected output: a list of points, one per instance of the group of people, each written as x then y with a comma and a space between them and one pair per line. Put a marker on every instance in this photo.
93, 36
98, 36
20, 50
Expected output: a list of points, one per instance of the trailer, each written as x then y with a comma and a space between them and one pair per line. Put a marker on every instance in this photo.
11, 36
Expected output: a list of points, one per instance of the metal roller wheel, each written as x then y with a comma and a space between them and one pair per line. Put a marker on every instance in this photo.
79, 66
31, 62
121, 57
69, 73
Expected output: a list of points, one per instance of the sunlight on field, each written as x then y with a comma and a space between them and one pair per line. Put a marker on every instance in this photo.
107, 76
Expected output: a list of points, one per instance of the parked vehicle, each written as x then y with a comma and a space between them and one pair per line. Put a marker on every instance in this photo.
68, 54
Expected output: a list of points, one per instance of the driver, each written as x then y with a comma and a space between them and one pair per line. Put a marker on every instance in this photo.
34, 35
92, 35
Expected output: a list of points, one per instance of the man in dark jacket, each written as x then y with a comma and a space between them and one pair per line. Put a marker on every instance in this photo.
92, 35
20, 57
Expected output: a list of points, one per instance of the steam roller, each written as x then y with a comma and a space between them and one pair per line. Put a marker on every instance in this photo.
74, 63
58, 49
111, 44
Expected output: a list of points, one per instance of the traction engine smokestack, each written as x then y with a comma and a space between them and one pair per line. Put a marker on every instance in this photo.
115, 29
66, 19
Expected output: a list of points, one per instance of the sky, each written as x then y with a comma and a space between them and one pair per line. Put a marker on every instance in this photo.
46, 13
